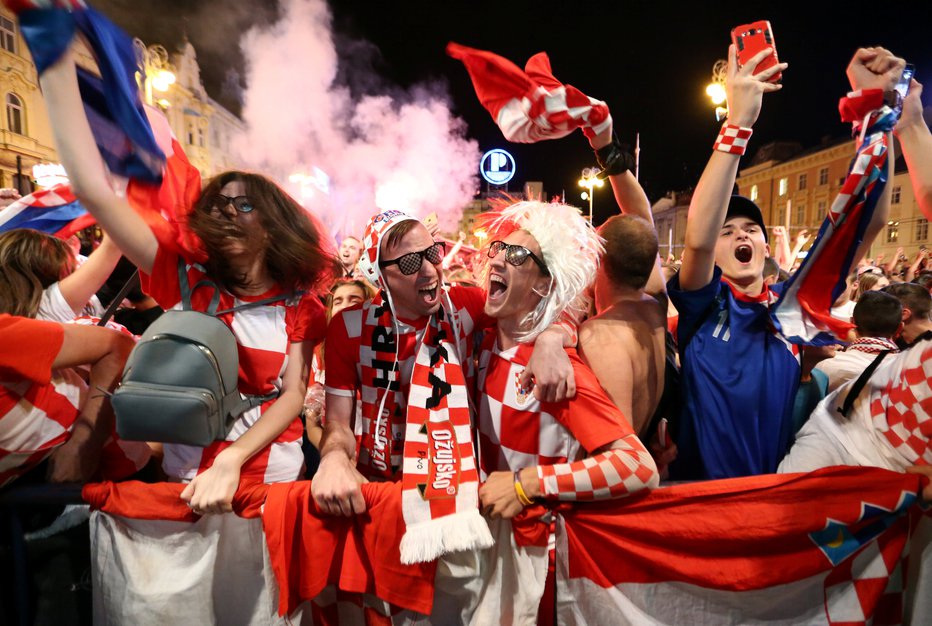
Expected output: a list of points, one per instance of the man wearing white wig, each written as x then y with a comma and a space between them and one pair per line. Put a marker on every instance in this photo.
533, 454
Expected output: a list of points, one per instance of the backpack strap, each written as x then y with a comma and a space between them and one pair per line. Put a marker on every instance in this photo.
859, 384
187, 290
263, 302
131, 282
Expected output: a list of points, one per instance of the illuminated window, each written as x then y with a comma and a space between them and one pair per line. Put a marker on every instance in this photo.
754, 193
15, 114
922, 229
7, 34
893, 232
781, 187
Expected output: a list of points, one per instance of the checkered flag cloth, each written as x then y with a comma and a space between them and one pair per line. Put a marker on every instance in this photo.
530, 105
803, 312
54, 211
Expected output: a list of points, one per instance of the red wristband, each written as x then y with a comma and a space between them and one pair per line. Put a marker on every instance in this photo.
857, 104
732, 139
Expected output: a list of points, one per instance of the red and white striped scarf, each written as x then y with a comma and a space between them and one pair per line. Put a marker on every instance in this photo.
440, 482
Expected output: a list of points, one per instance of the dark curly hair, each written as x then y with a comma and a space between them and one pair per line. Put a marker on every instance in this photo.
296, 255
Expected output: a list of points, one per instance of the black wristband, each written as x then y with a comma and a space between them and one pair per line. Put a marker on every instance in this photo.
614, 159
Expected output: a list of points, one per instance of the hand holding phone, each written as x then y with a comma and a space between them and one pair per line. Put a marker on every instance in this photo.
749, 39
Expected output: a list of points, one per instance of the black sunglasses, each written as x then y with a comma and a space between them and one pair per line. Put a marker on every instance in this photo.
516, 255
241, 203
411, 262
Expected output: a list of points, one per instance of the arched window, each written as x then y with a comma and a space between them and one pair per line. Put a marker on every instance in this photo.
15, 114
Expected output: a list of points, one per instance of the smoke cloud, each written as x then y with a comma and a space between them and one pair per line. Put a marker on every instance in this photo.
348, 157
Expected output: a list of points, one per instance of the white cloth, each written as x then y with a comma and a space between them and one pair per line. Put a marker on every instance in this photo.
53, 307
844, 366
844, 311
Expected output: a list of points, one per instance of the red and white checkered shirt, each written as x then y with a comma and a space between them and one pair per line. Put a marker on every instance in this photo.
516, 430
345, 354
263, 336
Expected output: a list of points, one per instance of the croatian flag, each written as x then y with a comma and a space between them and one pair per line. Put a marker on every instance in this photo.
54, 211
828, 547
114, 108
803, 312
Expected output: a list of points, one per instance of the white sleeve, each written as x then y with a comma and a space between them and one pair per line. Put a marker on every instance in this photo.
53, 307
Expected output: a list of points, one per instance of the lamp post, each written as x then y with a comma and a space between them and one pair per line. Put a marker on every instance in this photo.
590, 181
157, 71
716, 89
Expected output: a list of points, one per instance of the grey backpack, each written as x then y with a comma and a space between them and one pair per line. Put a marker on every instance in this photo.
180, 382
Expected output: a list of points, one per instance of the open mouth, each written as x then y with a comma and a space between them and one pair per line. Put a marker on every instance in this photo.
497, 287
743, 253
429, 293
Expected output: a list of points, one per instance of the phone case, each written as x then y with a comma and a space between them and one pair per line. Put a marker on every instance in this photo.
749, 39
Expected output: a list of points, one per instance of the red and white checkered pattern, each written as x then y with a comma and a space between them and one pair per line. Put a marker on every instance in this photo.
516, 431
733, 139
901, 403
18, 6
870, 583
349, 363
38, 407
263, 336
530, 105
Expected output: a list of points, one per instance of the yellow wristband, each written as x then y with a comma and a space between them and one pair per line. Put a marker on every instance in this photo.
519, 490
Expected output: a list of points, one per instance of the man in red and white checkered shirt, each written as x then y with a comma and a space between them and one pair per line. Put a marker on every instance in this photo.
541, 259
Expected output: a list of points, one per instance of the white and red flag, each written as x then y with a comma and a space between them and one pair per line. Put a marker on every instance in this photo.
530, 105
828, 547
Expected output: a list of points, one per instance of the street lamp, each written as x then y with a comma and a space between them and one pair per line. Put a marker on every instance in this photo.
157, 71
716, 89
590, 181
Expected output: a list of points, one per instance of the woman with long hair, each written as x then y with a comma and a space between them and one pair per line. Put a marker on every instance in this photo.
40, 277
256, 243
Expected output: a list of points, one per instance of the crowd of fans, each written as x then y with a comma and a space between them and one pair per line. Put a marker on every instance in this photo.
593, 366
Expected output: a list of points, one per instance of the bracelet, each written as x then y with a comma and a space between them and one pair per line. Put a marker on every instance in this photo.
614, 159
519, 490
732, 139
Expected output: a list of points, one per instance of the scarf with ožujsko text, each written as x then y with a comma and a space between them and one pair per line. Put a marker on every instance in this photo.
440, 481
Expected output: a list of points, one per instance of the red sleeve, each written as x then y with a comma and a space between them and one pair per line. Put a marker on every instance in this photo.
307, 321
340, 355
162, 283
28, 348
590, 416
473, 300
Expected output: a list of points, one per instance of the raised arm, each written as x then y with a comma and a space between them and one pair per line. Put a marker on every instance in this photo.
876, 68
710, 200
632, 200
916, 143
78, 287
78, 153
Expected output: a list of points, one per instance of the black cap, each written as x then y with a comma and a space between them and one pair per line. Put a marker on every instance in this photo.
739, 206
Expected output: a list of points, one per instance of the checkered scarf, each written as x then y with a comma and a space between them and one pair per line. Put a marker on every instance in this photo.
530, 105
440, 482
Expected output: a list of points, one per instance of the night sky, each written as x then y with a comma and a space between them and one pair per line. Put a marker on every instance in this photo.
649, 60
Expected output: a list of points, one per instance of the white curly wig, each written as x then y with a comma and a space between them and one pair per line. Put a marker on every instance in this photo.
571, 251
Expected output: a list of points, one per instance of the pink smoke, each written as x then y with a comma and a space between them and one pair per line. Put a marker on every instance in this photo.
380, 152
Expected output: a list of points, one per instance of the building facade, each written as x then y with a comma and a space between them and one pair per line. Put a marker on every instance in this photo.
796, 192
206, 130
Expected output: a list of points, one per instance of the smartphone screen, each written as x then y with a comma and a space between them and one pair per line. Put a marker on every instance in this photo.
902, 87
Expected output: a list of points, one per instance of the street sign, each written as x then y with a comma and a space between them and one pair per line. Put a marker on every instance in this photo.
497, 167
